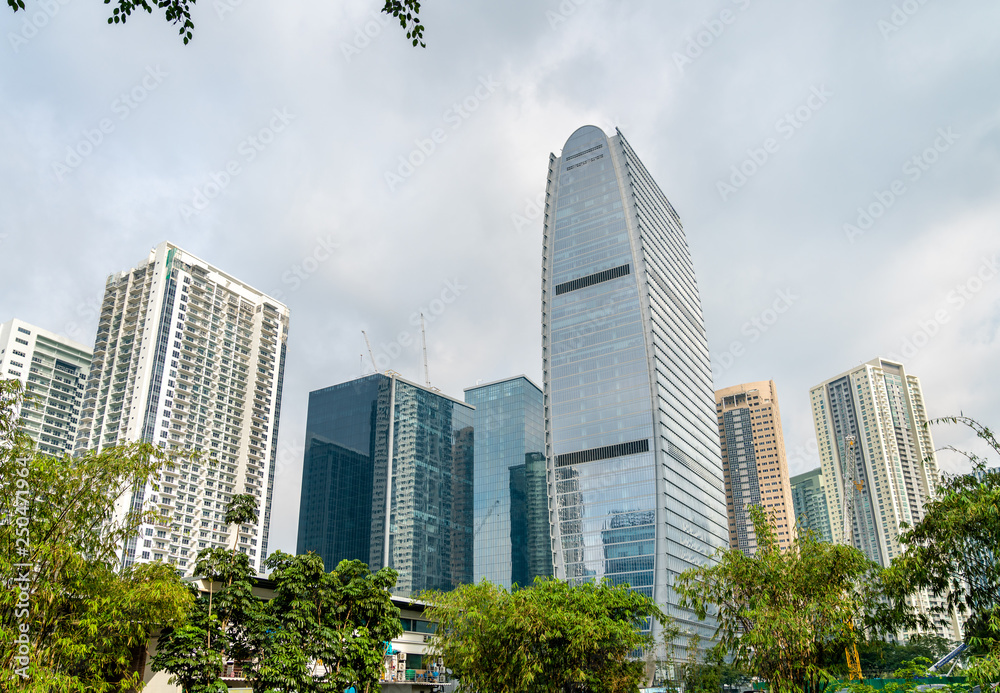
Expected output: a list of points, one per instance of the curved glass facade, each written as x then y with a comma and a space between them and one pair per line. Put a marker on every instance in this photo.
636, 490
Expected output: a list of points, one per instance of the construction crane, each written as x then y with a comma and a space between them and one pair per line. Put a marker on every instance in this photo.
423, 338
370, 353
849, 471
488, 513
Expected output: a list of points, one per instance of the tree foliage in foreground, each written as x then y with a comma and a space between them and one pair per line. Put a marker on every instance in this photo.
66, 607
548, 637
882, 659
406, 12
953, 552
322, 632
712, 674
782, 614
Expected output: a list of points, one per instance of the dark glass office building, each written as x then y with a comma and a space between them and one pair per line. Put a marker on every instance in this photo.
511, 535
635, 471
387, 479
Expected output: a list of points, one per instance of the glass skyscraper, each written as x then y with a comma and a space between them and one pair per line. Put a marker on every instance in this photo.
387, 479
511, 535
635, 472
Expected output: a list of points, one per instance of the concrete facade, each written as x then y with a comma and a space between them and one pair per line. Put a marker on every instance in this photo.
754, 462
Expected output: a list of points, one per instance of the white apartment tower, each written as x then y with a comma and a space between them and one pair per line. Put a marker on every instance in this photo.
890, 470
53, 371
192, 359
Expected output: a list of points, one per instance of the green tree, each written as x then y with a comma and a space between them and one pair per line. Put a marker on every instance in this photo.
881, 659
953, 550
224, 616
782, 614
711, 674
178, 12
323, 631
70, 618
319, 632
547, 637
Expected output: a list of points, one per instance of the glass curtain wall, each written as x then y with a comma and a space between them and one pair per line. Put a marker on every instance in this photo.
636, 490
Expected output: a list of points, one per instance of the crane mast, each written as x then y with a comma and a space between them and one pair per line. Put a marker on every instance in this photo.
423, 338
849, 470
372, 355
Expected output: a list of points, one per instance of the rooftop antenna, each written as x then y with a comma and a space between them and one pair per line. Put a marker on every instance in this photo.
423, 338
372, 355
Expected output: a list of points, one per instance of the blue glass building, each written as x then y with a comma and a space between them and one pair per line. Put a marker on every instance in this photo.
635, 472
387, 479
511, 535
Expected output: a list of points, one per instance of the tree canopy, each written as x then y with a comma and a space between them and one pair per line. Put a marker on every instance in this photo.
178, 12
782, 614
548, 637
70, 618
953, 550
320, 632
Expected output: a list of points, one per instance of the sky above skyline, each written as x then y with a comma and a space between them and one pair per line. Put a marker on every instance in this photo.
836, 167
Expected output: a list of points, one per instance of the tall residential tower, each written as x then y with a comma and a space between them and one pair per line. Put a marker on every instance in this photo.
876, 450
636, 490
53, 370
809, 501
511, 536
192, 359
754, 462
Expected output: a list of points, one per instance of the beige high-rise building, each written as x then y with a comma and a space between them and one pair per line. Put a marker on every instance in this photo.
754, 462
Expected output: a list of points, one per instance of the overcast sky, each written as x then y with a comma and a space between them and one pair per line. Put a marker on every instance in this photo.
275, 146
